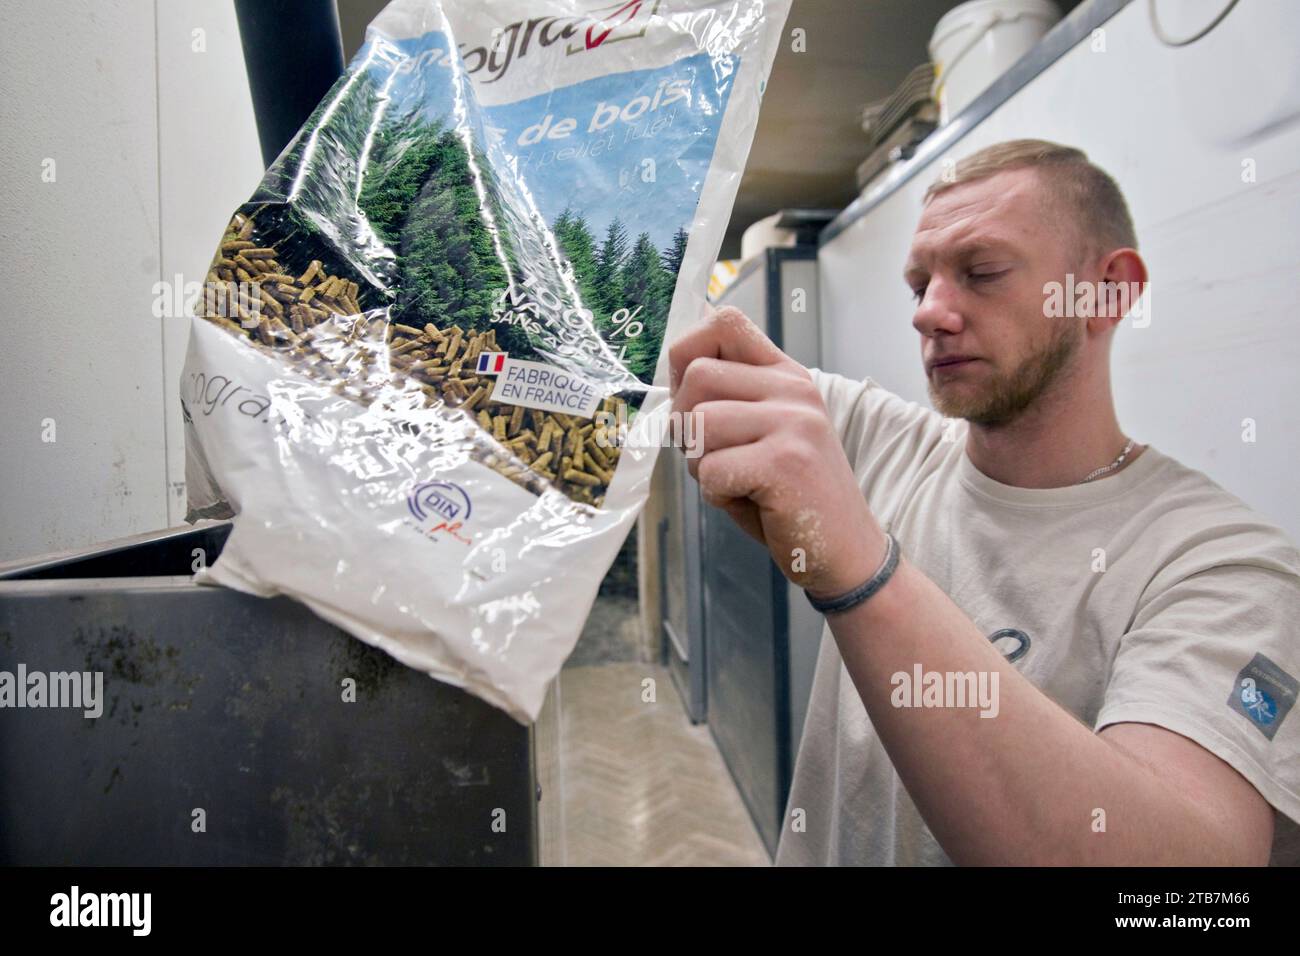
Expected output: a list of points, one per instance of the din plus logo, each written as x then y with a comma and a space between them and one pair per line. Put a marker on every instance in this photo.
440, 507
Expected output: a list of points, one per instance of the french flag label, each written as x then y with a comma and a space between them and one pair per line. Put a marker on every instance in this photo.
490, 363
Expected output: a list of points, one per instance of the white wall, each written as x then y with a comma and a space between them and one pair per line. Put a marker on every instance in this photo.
154, 145
1174, 127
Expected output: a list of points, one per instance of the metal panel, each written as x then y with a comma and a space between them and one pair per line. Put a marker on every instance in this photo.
755, 709
798, 304
746, 699
217, 701
682, 605
803, 624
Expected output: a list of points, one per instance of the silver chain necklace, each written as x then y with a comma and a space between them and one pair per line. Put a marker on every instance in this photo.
1106, 469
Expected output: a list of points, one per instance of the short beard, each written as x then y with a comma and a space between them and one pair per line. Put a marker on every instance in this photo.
1008, 396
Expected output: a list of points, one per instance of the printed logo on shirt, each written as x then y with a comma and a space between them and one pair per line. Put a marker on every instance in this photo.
1264, 694
1011, 651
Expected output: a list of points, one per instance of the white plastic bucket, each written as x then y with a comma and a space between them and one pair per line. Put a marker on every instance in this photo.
765, 234
977, 42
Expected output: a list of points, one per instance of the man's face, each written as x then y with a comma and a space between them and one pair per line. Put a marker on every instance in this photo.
979, 260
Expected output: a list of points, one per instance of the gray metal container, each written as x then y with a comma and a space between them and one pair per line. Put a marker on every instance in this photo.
232, 705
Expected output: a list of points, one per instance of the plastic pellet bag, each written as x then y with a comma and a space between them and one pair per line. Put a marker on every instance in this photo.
428, 378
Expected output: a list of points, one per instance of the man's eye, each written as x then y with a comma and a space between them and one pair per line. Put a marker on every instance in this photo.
987, 276
918, 294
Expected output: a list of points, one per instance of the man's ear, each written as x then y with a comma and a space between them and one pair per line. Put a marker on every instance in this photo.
1123, 281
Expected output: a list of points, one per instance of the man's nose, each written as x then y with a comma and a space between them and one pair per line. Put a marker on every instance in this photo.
938, 310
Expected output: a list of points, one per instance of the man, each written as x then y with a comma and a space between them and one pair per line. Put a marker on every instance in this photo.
1085, 652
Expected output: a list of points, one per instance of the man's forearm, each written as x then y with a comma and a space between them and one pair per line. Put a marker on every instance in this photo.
1021, 787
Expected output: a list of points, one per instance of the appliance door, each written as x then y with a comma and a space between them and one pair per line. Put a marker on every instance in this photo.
682, 603
759, 668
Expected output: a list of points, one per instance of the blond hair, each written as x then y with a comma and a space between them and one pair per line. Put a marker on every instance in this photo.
1084, 193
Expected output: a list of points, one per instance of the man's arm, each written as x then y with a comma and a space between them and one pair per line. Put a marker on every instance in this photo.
1024, 787
1020, 788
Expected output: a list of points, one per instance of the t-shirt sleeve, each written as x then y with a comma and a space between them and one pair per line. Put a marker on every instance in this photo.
1213, 654
874, 425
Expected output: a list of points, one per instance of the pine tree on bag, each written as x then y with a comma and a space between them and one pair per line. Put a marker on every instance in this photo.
429, 379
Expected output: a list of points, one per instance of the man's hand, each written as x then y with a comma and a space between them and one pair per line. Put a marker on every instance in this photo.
769, 455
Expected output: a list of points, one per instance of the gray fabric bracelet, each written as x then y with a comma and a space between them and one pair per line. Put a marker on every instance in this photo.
863, 591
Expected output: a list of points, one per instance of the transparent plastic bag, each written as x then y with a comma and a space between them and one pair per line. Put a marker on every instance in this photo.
429, 380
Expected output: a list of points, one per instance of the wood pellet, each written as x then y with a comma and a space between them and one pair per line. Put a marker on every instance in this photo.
301, 316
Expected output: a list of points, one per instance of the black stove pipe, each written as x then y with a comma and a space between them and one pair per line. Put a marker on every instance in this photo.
294, 53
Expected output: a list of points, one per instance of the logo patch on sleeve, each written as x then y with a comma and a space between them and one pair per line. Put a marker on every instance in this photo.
1264, 694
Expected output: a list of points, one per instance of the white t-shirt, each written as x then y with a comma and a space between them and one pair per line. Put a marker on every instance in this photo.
1194, 623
